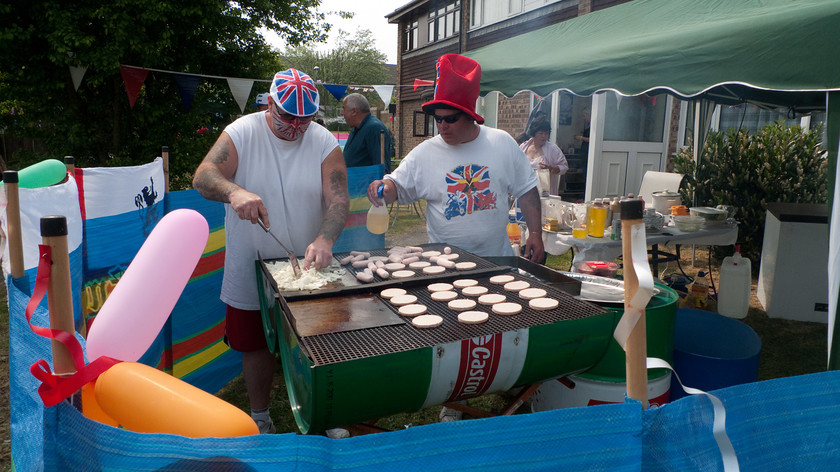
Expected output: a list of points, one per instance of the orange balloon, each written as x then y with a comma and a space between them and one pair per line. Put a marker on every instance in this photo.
146, 400
91, 409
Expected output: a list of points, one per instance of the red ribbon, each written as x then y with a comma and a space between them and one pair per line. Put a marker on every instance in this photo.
56, 387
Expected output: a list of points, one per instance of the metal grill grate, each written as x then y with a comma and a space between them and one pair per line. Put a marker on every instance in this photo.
338, 347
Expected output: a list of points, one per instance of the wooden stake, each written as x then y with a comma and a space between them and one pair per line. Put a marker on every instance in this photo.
381, 147
70, 163
10, 179
59, 292
636, 349
164, 153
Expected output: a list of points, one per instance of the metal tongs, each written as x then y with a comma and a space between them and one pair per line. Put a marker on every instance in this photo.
292, 257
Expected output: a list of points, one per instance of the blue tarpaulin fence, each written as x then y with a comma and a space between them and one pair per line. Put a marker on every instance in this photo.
778, 425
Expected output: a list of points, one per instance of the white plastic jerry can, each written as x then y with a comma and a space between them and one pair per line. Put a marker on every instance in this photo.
735, 284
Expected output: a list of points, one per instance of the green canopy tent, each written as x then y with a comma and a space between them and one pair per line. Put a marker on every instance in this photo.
772, 53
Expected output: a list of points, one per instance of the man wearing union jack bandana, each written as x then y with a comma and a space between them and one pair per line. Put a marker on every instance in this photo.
273, 166
466, 172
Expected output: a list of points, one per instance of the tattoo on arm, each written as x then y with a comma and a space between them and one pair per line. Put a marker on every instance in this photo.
209, 180
339, 207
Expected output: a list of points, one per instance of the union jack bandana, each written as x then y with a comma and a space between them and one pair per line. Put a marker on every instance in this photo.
295, 92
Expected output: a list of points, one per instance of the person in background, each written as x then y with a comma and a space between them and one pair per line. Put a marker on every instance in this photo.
261, 102
543, 154
275, 167
583, 137
465, 174
364, 146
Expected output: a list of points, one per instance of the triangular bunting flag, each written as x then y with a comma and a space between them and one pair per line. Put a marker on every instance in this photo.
336, 91
241, 89
422, 83
384, 92
76, 73
187, 85
133, 78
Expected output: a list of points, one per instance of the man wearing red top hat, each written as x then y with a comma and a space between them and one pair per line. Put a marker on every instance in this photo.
466, 172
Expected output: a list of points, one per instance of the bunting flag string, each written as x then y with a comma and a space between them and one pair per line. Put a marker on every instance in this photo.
187, 85
134, 77
337, 91
77, 73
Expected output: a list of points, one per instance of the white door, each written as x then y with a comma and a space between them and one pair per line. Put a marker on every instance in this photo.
629, 137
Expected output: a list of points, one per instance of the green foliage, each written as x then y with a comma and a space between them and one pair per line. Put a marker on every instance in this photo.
778, 164
42, 38
354, 61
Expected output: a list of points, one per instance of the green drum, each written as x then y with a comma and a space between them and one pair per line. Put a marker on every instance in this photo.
327, 392
660, 316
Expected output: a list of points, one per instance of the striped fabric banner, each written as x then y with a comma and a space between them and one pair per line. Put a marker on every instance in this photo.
198, 353
355, 235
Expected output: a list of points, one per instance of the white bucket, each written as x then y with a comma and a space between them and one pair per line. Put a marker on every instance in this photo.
573, 391
735, 284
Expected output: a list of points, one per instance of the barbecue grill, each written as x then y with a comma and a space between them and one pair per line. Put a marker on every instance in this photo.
348, 357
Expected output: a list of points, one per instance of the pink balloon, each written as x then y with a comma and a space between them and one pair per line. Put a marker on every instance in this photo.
135, 311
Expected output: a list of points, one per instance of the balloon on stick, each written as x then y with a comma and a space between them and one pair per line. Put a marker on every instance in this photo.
146, 400
137, 308
42, 174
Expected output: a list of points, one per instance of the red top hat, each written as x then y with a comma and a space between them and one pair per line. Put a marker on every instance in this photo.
457, 85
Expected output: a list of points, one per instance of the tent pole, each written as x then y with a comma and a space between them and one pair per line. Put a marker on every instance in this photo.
832, 124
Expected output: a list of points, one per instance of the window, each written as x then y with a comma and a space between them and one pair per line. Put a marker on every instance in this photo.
412, 36
422, 124
750, 118
445, 21
638, 118
486, 12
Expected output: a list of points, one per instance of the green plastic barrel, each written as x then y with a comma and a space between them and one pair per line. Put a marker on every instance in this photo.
660, 316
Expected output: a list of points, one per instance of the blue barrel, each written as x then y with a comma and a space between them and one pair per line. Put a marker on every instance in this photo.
712, 351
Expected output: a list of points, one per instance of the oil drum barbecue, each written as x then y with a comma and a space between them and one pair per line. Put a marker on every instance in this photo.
349, 357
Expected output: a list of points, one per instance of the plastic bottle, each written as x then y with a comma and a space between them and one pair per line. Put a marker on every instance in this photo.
735, 285
513, 231
597, 219
698, 293
377, 217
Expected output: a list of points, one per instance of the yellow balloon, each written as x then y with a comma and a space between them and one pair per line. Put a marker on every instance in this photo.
146, 400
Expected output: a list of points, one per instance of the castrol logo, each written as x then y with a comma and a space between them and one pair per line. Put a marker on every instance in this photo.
479, 363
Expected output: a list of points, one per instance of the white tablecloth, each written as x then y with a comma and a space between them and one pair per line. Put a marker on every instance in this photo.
606, 249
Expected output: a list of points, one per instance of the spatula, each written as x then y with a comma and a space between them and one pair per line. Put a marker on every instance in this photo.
292, 257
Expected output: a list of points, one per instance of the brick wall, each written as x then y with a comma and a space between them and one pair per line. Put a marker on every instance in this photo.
513, 113
406, 141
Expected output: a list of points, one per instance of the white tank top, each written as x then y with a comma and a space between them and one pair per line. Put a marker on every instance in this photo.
287, 176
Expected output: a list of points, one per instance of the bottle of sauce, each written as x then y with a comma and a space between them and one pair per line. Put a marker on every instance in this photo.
597, 219
377, 217
615, 207
514, 233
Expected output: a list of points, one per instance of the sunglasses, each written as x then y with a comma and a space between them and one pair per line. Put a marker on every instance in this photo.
289, 117
448, 118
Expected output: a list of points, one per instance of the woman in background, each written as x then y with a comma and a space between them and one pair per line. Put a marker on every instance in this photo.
544, 154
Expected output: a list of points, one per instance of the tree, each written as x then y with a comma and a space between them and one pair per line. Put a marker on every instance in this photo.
41, 38
354, 61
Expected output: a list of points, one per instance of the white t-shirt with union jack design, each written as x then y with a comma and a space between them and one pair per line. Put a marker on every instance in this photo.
466, 188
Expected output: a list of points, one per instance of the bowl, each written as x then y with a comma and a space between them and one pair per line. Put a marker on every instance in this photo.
653, 220
688, 224
709, 213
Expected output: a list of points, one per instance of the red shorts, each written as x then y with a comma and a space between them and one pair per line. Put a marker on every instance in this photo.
244, 330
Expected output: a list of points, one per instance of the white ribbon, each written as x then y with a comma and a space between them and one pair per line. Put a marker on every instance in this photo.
727, 451
633, 310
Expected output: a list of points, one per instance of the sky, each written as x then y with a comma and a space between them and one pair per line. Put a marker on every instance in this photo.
369, 14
